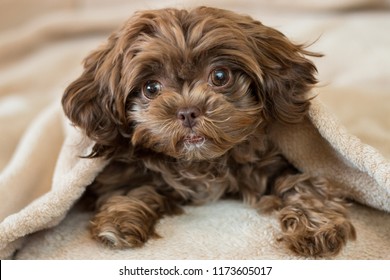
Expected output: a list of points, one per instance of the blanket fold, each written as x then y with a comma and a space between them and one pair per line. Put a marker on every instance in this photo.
35, 156
322, 146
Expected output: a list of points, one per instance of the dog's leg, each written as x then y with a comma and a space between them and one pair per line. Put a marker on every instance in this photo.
129, 220
313, 220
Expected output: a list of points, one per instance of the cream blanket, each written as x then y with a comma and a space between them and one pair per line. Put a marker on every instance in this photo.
42, 176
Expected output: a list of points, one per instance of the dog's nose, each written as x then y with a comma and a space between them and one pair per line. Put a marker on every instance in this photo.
188, 116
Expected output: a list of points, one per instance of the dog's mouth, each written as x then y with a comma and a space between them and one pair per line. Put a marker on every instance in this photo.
194, 140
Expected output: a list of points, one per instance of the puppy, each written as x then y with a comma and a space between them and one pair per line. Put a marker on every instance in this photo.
181, 101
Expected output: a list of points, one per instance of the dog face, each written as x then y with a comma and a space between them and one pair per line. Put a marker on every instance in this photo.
188, 84
195, 118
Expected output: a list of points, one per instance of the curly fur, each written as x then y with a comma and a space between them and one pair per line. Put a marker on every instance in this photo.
197, 141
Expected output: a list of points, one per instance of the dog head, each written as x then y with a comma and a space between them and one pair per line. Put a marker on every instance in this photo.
188, 84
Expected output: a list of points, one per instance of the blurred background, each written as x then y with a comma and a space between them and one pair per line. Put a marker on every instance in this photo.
43, 42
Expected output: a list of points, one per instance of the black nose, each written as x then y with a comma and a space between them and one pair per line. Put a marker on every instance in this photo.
188, 116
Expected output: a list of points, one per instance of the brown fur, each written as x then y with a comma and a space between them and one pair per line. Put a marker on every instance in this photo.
197, 140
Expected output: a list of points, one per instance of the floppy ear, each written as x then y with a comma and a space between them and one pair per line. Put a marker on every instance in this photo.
96, 101
287, 75
89, 101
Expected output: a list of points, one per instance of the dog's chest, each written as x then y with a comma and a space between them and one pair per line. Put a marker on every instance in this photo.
200, 182
208, 181
244, 170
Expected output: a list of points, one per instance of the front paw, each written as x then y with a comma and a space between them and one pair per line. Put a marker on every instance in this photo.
124, 222
129, 220
309, 237
120, 231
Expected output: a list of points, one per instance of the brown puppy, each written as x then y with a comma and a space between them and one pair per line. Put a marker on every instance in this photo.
180, 102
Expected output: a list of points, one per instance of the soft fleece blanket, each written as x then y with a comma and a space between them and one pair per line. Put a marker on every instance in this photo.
346, 135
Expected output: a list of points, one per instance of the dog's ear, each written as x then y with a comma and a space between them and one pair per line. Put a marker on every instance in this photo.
96, 101
89, 100
286, 75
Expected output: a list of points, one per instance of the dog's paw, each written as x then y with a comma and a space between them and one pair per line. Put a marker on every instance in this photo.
120, 233
127, 221
123, 222
315, 238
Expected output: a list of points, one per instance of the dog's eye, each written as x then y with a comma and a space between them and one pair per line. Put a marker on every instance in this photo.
219, 77
151, 89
